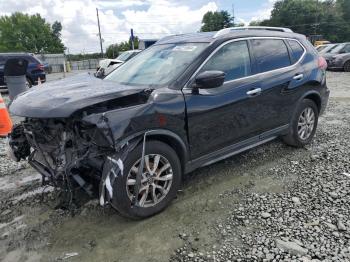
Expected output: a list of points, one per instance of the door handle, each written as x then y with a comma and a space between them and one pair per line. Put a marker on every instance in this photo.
254, 92
298, 77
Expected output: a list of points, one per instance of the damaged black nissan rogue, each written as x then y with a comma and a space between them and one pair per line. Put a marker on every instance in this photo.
186, 102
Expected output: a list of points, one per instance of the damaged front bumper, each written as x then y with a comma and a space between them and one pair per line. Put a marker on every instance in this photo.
68, 153
73, 155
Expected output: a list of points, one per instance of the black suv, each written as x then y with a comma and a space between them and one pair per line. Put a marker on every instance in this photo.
186, 102
35, 69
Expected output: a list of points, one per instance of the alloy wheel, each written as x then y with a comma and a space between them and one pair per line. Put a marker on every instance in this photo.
306, 123
347, 67
156, 180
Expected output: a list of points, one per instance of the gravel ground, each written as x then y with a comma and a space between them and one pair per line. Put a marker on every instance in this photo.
309, 221
273, 203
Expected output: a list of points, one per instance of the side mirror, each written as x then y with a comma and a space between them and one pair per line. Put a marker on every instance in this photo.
210, 79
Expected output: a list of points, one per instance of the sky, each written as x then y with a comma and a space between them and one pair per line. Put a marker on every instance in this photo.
148, 18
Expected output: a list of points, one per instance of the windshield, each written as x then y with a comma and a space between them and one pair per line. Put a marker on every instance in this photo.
321, 47
327, 49
124, 56
337, 49
157, 65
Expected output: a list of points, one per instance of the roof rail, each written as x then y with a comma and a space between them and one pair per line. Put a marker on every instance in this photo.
230, 29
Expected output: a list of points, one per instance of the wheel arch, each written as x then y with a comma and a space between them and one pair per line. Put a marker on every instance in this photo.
315, 97
345, 63
168, 137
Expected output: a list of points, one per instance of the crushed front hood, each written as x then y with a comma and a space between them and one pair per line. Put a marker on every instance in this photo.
64, 97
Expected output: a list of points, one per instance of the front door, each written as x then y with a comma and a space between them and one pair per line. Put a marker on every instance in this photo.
222, 116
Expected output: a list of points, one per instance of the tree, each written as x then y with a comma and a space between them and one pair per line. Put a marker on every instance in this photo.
29, 33
312, 17
214, 21
112, 51
344, 9
126, 45
56, 29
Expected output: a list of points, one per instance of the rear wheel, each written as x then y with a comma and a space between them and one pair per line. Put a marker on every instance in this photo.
347, 66
160, 181
304, 124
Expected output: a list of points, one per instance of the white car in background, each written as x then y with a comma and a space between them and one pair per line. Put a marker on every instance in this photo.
106, 66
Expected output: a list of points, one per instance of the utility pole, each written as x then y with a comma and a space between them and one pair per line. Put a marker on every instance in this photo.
99, 32
233, 14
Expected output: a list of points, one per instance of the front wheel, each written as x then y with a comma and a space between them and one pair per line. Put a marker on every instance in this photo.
160, 181
347, 66
304, 124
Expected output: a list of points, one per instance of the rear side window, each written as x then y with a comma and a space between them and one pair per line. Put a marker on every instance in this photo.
233, 59
33, 59
347, 49
270, 54
297, 49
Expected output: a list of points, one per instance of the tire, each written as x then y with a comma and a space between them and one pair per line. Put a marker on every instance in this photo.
347, 66
122, 198
28, 83
296, 137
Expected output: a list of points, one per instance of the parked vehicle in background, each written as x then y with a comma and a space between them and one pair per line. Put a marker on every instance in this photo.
185, 102
322, 47
339, 57
327, 48
321, 42
35, 70
106, 66
146, 43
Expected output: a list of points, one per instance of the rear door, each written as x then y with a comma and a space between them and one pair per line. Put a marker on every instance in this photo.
280, 76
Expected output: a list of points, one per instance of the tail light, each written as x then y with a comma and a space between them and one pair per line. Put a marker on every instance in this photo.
40, 67
322, 63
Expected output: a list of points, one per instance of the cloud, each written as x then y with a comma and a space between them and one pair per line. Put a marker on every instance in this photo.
148, 18
264, 12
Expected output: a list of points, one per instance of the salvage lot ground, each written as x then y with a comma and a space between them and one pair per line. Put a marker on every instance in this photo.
248, 207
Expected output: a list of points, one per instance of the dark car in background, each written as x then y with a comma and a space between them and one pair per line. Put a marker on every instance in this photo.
35, 70
338, 58
186, 102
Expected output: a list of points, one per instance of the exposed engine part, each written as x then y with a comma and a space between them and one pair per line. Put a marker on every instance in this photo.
68, 153
18, 143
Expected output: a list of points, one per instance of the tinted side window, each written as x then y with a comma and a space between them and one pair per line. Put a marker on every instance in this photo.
233, 59
270, 54
297, 50
31, 59
347, 49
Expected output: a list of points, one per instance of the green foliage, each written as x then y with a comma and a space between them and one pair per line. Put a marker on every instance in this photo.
29, 33
214, 21
56, 29
121, 47
112, 51
329, 18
